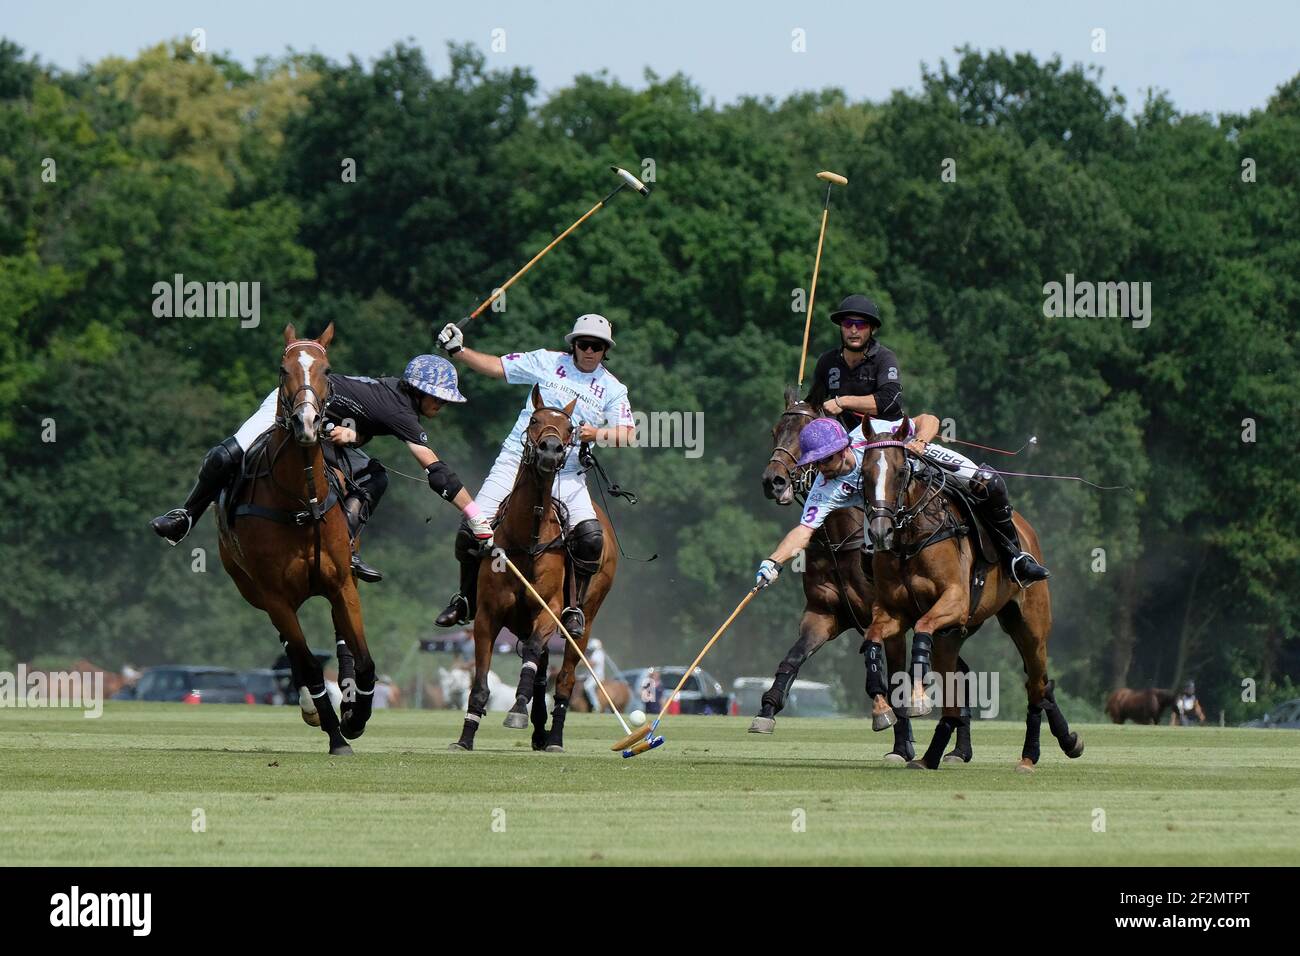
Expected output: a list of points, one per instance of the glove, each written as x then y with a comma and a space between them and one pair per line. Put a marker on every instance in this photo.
768, 572
481, 528
451, 339
585, 458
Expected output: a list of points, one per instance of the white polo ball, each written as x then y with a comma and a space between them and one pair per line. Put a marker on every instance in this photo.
637, 717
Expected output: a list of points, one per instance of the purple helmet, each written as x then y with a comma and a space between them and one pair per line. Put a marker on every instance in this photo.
821, 438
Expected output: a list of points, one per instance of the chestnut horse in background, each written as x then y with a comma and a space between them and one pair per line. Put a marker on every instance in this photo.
922, 573
288, 541
530, 534
837, 591
1140, 706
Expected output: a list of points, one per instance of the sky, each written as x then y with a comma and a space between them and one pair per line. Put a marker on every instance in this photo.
1211, 56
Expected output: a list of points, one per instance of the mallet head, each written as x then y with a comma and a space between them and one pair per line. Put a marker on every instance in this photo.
831, 177
632, 738
643, 746
632, 181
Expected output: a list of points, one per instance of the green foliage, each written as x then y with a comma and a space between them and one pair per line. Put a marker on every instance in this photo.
176, 162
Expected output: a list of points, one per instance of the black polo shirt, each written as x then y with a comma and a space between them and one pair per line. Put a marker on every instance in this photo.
374, 406
877, 374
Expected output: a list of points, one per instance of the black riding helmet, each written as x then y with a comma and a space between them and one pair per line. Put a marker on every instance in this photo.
858, 305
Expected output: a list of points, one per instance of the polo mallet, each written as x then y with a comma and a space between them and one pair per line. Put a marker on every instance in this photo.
639, 741
838, 180
627, 179
569, 637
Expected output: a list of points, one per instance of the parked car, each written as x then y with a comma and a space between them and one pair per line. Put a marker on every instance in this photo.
265, 685
701, 694
1285, 716
192, 685
806, 698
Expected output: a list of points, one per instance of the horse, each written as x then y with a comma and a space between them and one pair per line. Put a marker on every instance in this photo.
285, 539
530, 534
922, 567
838, 593
1140, 706
619, 692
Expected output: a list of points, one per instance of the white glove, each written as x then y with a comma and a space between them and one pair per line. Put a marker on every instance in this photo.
768, 572
481, 528
451, 339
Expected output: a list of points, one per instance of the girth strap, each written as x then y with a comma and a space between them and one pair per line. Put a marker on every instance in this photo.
298, 518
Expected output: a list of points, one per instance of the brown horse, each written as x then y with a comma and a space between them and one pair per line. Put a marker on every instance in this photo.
837, 590
922, 567
288, 541
1140, 706
619, 693
530, 534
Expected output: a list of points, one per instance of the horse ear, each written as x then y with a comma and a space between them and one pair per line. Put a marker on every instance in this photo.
326, 337
903, 429
537, 397
568, 409
290, 334
791, 396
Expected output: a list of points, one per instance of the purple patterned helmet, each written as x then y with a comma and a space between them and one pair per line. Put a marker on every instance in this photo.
821, 438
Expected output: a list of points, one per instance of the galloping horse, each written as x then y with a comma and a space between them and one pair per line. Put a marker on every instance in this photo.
531, 535
838, 594
922, 569
1140, 706
288, 540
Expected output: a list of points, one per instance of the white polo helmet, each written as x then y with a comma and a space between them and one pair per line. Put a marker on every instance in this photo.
592, 325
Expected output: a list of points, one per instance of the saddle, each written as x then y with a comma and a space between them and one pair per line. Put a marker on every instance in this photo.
986, 556
256, 464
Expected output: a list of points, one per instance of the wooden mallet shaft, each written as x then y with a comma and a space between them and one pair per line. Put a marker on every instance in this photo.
569, 637
838, 180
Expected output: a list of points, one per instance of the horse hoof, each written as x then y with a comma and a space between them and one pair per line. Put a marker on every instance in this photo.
914, 711
917, 765
311, 719
1076, 750
1025, 765
956, 757
554, 749
894, 758
516, 721
459, 747
883, 720
342, 750
762, 725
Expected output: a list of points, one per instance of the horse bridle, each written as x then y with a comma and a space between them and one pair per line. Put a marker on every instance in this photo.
289, 405
530, 444
801, 476
899, 515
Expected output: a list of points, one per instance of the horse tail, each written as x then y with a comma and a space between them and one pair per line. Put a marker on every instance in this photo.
1114, 703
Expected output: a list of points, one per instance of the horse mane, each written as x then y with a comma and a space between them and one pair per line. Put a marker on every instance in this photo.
1163, 697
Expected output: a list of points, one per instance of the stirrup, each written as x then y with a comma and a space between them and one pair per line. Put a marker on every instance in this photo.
576, 631
1015, 576
459, 605
189, 525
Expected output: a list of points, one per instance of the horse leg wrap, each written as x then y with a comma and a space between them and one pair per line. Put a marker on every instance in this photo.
874, 653
467, 731
1033, 722
922, 645
942, 734
1056, 721
529, 675
963, 748
556, 737
786, 672
904, 742
538, 715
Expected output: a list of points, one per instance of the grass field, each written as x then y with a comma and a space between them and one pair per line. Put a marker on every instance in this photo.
123, 790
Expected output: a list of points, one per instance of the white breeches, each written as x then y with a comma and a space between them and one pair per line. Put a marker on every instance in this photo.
261, 420
570, 488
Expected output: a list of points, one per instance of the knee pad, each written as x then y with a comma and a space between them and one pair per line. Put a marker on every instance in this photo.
371, 483
588, 541
988, 486
466, 543
221, 461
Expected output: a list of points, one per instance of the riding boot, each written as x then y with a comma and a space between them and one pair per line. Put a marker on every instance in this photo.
586, 545
220, 464
460, 609
995, 509
357, 513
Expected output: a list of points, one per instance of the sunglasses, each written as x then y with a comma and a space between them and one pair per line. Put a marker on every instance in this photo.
589, 345
855, 323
